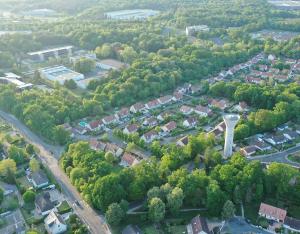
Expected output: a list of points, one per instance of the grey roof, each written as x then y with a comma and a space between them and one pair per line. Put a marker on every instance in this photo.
43, 202
293, 223
39, 178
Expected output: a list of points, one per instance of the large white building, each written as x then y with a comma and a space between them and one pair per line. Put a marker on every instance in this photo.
60, 74
136, 14
11, 78
191, 30
42, 55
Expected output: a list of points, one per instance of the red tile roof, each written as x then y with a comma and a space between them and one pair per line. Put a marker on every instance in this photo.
271, 211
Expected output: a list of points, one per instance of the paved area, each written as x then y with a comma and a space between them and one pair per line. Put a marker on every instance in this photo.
280, 157
14, 223
238, 225
49, 155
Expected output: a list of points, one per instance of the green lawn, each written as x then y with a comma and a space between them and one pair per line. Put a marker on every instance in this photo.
294, 158
24, 182
10, 203
64, 207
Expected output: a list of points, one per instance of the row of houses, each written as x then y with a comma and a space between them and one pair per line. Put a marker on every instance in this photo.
279, 215
283, 135
127, 159
224, 74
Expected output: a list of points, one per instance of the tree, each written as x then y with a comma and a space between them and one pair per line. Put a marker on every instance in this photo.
157, 210
114, 214
109, 157
241, 132
60, 135
17, 154
29, 149
153, 192
215, 198
84, 65
34, 165
175, 200
70, 84
29, 197
1, 195
228, 210
6, 166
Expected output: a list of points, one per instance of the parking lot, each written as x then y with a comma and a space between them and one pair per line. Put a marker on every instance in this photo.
238, 225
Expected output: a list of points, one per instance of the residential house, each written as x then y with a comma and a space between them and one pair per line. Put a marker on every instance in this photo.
130, 129
177, 96
138, 107
150, 136
190, 122
195, 89
95, 125
39, 179
292, 224
7, 188
122, 114
183, 141
97, 145
186, 110
132, 229
283, 127
152, 104
128, 160
242, 107
198, 225
54, 223
184, 89
248, 150
165, 100
276, 140
290, 135
221, 104
80, 130
164, 115
109, 119
114, 149
150, 122
43, 204
272, 213
253, 80
203, 111
262, 146
169, 127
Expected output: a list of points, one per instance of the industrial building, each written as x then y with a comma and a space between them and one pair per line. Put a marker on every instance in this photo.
60, 74
136, 14
11, 78
58, 52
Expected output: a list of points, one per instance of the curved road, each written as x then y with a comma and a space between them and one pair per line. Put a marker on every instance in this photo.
50, 155
281, 157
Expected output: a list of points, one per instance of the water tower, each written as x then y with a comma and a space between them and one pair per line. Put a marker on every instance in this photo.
230, 120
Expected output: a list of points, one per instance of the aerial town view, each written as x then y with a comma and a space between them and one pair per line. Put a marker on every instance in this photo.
149, 116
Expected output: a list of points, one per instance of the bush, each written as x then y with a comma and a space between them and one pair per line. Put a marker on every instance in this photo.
29, 196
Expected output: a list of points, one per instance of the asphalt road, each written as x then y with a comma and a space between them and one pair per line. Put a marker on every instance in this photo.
281, 157
49, 155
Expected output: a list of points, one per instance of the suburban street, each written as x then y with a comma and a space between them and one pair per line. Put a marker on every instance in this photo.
50, 155
280, 157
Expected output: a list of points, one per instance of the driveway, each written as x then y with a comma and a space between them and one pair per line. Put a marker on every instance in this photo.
238, 225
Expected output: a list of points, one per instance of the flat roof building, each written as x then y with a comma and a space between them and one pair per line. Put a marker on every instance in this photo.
136, 14
43, 55
60, 74
191, 30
